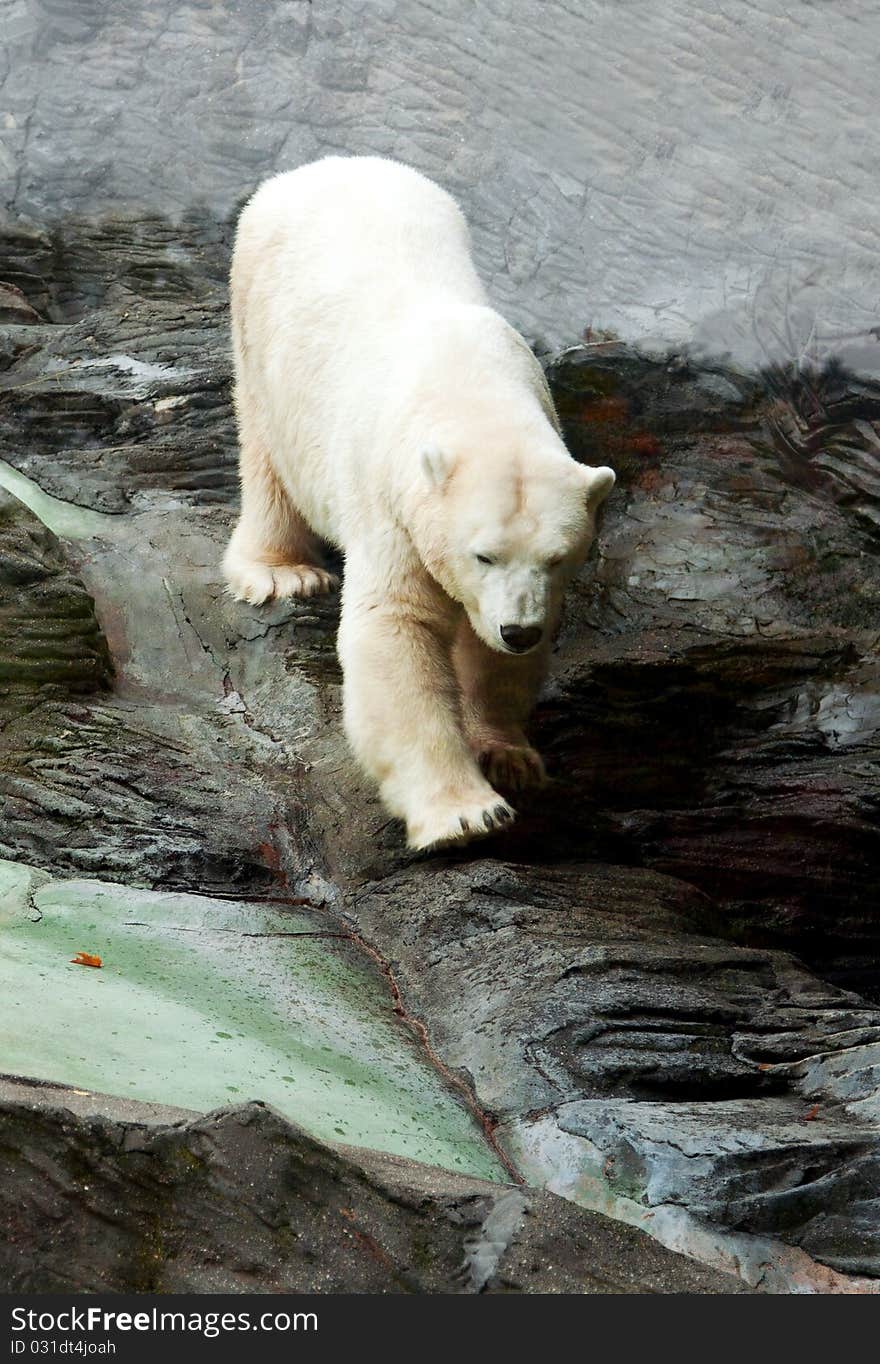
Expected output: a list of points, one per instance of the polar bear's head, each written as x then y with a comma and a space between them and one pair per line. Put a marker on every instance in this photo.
505, 535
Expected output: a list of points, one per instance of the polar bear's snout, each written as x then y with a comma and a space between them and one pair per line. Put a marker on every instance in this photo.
520, 638
511, 602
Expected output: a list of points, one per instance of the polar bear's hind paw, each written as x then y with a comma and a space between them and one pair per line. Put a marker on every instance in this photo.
513, 767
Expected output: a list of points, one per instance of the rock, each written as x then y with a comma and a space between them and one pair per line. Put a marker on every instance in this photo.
598, 1002
728, 629
15, 308
767, 1165
50, 640
121, 411
102, 1196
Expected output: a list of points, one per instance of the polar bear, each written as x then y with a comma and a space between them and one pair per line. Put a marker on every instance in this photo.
384, 407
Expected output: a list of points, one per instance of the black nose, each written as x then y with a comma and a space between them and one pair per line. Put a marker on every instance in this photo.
519, 638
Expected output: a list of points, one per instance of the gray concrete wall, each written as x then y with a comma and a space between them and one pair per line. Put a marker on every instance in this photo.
667, 169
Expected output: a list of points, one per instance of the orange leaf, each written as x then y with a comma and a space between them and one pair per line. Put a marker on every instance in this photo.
86, 959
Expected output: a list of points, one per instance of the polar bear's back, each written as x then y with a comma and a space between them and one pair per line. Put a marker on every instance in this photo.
336, 266
345, 226
351, 280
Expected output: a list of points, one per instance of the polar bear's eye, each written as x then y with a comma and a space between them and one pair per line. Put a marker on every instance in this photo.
484, 559
554, 563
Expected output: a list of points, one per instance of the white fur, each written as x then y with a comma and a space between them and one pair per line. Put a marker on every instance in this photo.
385, 408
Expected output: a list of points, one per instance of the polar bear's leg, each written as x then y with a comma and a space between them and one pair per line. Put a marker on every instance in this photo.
272, 552
497, 695
403, 722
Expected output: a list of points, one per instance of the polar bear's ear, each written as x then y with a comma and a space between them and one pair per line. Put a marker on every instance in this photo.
599, 483
435, 465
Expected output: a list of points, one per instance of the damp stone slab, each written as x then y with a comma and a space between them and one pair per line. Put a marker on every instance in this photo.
65, 519
201, 1002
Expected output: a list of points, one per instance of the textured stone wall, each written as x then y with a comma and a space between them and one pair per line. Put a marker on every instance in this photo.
685, 170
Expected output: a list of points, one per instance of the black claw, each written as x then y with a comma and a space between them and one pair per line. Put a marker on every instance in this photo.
502, 814
488, 820
465, 827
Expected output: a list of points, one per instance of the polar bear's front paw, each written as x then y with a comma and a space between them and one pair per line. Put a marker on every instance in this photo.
258, 583
459, 821
303, 580
513, 767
